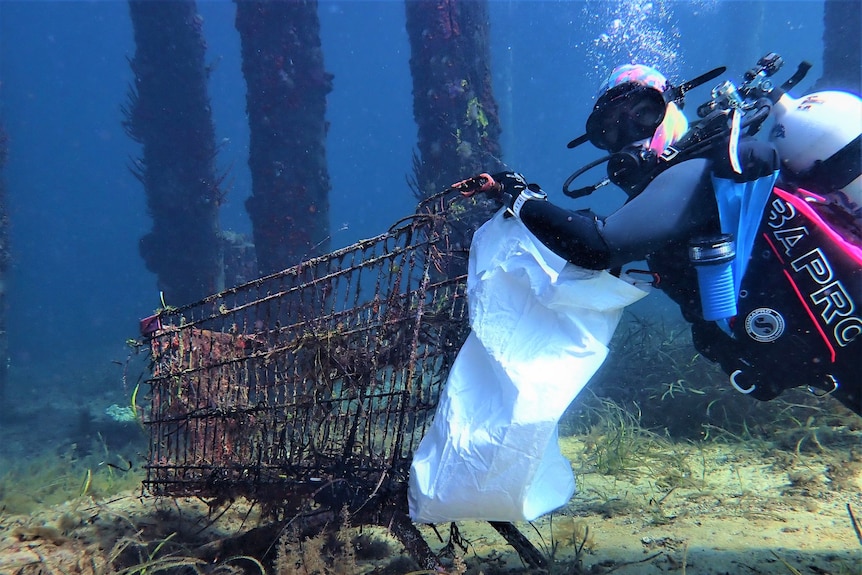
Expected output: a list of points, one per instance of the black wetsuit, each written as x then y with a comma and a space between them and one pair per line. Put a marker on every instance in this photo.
657, 225
676, 206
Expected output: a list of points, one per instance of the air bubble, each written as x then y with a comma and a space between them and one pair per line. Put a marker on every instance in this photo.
634, 31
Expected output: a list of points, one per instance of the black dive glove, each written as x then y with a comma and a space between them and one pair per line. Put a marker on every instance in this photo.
514, 191
510, 188
511, 183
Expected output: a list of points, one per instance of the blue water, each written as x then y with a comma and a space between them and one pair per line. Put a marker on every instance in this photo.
78, 285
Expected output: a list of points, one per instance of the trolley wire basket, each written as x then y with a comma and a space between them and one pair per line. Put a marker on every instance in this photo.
310, 389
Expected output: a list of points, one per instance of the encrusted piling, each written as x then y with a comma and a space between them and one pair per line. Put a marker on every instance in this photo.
286, 103
454, 105
5, 256
168, 113
453, 101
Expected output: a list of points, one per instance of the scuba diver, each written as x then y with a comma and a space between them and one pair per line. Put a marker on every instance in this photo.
761, 267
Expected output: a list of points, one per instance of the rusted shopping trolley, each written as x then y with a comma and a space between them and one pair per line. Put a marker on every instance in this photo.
307, 391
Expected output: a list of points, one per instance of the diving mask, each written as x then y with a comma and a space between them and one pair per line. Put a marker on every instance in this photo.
626, 113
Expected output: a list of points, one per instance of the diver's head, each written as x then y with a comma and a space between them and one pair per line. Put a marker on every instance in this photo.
637, 104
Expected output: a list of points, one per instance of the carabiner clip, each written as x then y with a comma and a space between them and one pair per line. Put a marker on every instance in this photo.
834, 382
739, 388
656, 279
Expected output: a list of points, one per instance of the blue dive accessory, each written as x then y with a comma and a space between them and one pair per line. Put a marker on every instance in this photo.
713, 259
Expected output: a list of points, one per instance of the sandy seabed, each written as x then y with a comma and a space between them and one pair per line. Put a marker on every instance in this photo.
768, 488
697, 508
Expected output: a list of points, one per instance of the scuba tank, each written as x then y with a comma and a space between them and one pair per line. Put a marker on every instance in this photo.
818, 138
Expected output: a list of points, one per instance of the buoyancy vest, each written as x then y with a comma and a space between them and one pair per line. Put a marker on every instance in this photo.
799, 319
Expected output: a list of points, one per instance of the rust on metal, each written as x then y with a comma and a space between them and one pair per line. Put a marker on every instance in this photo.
310, 389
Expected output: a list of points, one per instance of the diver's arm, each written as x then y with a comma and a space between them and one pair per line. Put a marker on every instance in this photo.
676, 202
673, 204
574, 236
681, 199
